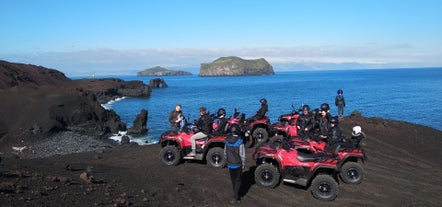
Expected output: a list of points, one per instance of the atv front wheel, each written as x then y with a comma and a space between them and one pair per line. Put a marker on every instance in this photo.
267, 175
324, 187
215, 157
352, 173
260, 136
248, 141
170, 155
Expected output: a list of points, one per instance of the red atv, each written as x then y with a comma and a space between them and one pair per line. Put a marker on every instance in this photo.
278, 161
257, 132
286, 125
177, 144
350, 157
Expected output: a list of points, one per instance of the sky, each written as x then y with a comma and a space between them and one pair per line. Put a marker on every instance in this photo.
83, 37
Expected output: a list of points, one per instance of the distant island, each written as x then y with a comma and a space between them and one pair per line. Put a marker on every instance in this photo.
235, 66
160, 71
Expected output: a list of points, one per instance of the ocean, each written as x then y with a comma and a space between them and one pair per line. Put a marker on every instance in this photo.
411, 95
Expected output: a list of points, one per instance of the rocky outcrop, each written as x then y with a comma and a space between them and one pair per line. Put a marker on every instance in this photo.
108, 89
160, 71
139, 124
235, 66
38, 102
157, 83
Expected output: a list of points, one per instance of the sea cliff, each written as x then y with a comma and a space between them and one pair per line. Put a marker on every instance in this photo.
235, 66
38, 102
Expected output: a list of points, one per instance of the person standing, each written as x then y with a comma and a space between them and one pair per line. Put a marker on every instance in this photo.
204, 125
176, 118
340, 103
234, 152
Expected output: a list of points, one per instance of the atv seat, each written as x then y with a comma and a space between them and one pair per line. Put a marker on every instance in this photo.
303, 157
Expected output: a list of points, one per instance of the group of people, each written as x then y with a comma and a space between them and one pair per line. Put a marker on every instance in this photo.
234, 150
319, 121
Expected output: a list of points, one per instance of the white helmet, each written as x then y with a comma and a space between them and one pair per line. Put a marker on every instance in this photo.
356, 131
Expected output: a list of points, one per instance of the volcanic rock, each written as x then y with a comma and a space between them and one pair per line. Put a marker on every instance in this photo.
38, 102
157, 83
139, 124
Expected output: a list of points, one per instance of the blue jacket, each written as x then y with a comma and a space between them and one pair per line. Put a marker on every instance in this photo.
234, 152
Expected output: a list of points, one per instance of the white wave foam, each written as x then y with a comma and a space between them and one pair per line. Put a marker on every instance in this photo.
108, 105
140, 140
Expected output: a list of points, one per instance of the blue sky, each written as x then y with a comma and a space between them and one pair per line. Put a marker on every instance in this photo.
119, 37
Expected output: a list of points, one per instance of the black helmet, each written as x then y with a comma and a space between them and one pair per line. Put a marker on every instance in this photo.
221, 112
263, 101
305, 107
340, 91
334, 120
325, 107
315, 112
235, 129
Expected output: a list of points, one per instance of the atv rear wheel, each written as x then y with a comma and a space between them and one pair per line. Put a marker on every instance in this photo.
260, 135
352, 173
267, 175
215, 157
324, 187
170, 155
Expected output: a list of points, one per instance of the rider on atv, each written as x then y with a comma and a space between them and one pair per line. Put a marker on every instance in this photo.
324, 121
305, 122
261, 113
221, 123
204, 127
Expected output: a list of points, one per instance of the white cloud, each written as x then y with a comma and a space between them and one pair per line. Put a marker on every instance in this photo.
111, 61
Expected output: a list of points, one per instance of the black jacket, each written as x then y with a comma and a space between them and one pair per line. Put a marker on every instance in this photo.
324, 124
262, 112
221, 128
305, 121
334, 135
173, 117
204, 124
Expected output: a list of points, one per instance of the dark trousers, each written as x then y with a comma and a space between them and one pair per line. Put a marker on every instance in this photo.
235, 177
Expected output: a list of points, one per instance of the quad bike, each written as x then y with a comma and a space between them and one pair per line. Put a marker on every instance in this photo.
281, 161
350, 157
177, 144
257, 132
236, 119
286, 125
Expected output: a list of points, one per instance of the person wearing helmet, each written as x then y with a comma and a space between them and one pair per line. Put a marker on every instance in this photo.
305, 122
262, 112
235, 155
356, 136
323, 121
334, 134
221, 122
340, 103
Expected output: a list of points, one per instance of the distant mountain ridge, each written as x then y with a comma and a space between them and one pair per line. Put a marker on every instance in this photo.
160, 71
235, 66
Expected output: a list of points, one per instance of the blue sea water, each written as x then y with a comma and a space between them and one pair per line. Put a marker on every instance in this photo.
411, 95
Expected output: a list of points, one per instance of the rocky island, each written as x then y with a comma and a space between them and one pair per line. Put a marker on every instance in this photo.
235, 66
160, 71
